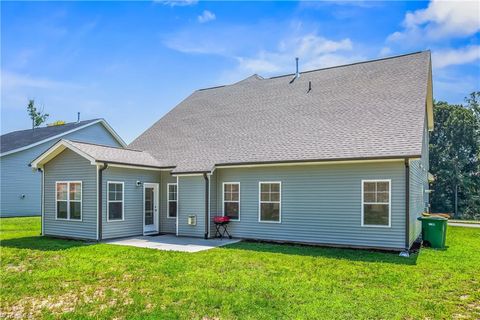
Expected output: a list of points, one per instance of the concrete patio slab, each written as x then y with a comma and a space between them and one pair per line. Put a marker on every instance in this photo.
172, 243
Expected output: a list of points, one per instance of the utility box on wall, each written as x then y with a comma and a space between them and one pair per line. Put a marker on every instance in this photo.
192, 220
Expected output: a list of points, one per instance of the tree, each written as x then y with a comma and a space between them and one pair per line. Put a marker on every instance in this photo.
38, 117
454, 158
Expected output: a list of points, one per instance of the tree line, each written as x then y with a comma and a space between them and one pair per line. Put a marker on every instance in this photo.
454, 158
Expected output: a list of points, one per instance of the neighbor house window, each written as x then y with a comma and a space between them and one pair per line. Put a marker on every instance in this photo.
68, 196
231, 200
115, 201
172, 200
270, 202
376, 203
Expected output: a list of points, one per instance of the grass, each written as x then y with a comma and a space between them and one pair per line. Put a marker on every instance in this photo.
52, 278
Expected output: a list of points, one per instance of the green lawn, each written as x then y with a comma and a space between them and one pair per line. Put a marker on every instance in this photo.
49, 278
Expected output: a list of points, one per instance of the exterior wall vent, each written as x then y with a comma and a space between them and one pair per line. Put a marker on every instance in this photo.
192, 220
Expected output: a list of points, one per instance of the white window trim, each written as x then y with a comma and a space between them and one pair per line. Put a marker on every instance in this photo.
122, 201
260, 202
168, 200
223, 199
68, 201
389, 204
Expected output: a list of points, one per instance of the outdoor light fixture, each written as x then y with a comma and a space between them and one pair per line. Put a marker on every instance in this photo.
139, 183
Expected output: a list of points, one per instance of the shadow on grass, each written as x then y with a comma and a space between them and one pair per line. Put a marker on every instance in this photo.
361, 255
41, 243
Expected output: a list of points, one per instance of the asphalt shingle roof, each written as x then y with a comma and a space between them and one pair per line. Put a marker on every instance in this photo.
22, 138
102, 153
372, 109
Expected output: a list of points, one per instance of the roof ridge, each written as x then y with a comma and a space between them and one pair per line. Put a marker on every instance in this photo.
352, 64
319, 69
57, 126
103, 145
208, 88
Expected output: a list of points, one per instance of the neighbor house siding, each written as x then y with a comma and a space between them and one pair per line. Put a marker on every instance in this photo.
320, 204
191, 201
69, 166
418, 185
167, 225
18, 178
133, 200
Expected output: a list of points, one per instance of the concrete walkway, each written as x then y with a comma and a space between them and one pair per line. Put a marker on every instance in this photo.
468, 225
172, 243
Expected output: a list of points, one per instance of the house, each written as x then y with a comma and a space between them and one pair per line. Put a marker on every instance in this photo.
335, 156
20, 185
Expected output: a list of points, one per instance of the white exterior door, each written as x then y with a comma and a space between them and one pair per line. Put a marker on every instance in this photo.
150, 208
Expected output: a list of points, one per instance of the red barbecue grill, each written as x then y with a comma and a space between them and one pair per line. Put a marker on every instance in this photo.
221, 224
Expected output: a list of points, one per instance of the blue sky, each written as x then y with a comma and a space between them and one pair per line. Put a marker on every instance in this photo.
131, 62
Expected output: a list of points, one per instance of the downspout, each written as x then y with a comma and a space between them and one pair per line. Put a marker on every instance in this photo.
42, 191
205, 176
100, 202
407, 204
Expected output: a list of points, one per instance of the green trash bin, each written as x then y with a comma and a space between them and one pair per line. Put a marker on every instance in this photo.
434, 231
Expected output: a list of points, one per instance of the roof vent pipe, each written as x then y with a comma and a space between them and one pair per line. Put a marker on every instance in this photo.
78, 116
297, 74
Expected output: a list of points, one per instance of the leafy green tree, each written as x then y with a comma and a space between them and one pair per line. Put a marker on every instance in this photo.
37, 116
454, 158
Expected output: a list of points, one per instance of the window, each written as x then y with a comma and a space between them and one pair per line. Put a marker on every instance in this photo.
376, 203
270, 202
231, 200
115, 201
68, 198
172, 200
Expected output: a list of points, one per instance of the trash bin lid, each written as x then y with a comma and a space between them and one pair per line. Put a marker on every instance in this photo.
432, 218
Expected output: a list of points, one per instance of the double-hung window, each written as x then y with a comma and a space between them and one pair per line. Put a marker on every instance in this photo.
231, 200
376, 203
115, 201
68, 199
172, 200
270, 202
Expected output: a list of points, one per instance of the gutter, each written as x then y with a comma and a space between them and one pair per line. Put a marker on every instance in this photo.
407, 204
207, 222
100, 202
307, 161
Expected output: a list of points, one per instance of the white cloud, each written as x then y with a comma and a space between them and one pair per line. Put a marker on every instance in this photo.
449, 57
314, 52
177, 3
206, 16
11, 80
441, 19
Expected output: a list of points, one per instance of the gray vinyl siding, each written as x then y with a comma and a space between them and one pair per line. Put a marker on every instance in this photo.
320, 204
167, 225
17, 178
133, 200
68, 166
418, 185
191, 201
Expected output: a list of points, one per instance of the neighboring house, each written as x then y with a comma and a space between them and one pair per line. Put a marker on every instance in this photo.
336, 156
20, 184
